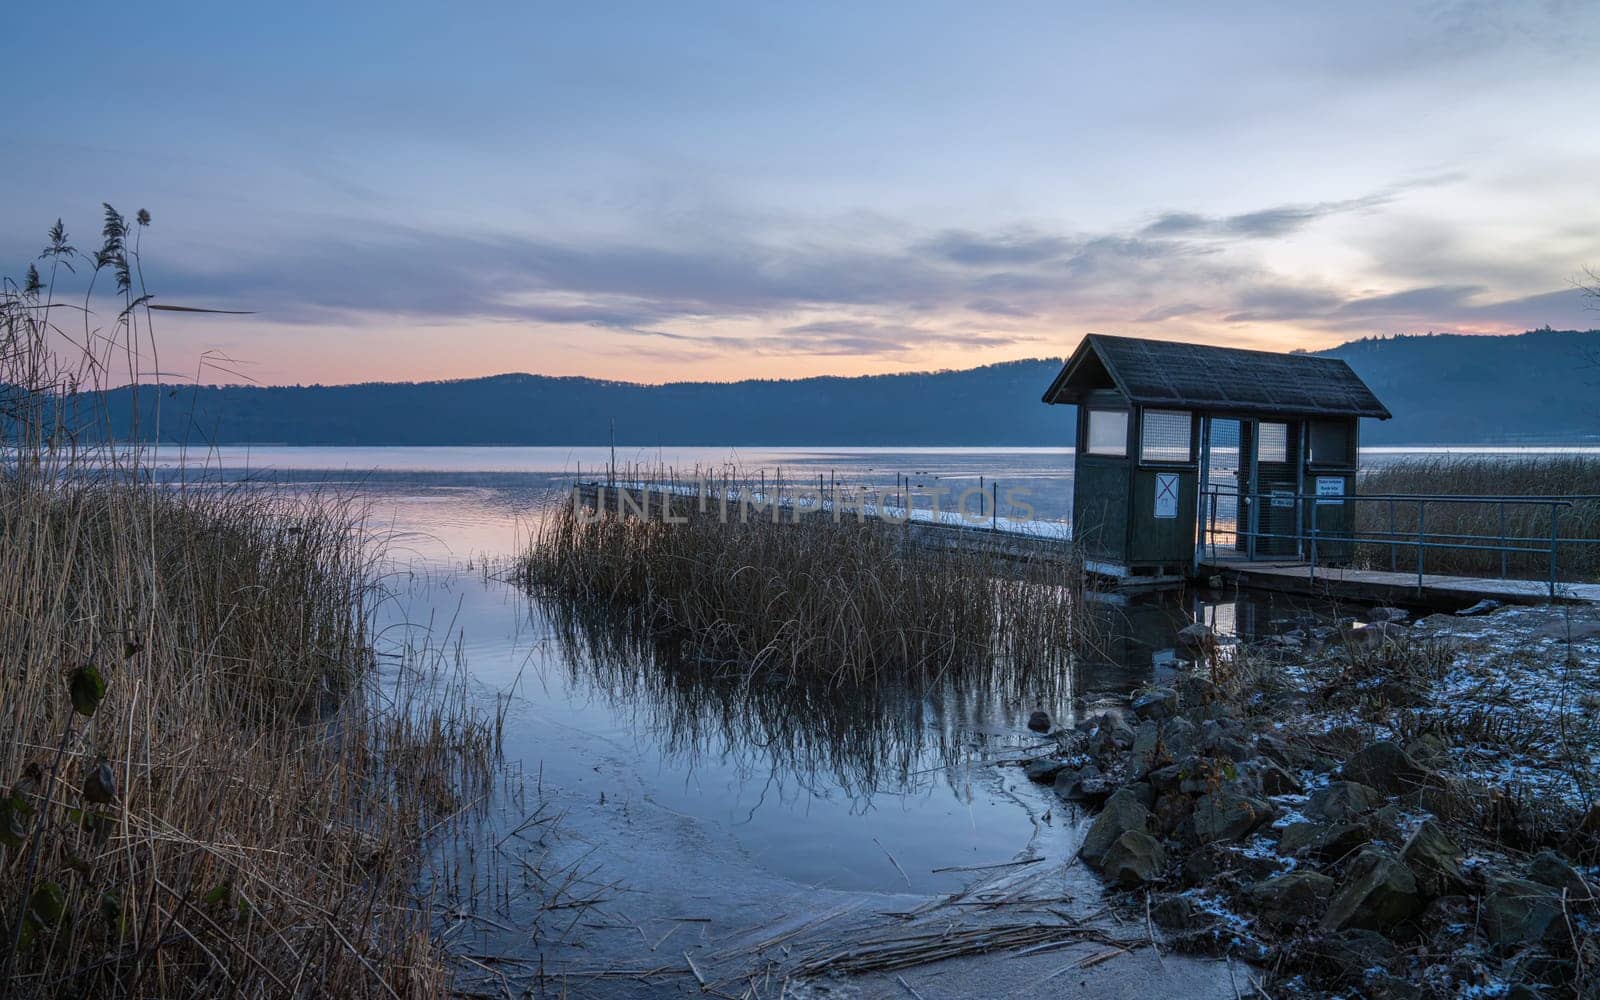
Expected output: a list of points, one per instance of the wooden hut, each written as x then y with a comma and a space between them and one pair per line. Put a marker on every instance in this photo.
1183, 445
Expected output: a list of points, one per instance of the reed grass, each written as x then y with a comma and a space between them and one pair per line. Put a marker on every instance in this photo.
1486, 522
209, 790
815, 598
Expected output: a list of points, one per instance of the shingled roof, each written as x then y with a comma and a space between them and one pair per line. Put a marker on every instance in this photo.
1218, 379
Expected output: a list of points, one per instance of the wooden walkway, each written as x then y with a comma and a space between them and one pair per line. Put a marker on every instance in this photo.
1384, 587
1283, 575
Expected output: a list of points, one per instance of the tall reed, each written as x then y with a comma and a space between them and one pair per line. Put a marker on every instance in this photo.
1486, 523
208, 790
825, 599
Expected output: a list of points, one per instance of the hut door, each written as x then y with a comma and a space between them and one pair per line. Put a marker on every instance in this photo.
1275, 446
1222, 484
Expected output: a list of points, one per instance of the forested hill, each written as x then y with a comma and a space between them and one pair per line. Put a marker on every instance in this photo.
1539, 386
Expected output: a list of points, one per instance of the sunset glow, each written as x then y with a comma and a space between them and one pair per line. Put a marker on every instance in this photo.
701, 193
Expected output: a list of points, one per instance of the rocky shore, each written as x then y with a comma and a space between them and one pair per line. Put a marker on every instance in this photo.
1377, 807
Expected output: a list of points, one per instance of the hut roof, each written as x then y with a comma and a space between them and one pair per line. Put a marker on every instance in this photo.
1218, 379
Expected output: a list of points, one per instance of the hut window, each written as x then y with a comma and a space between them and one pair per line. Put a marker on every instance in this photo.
1272, 442
1108, 432
1330, 443
1164, 436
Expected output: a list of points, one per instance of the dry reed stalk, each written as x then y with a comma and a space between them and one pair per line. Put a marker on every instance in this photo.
230, 802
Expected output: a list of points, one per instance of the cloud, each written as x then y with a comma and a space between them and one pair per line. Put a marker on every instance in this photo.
1266, 223
839, 293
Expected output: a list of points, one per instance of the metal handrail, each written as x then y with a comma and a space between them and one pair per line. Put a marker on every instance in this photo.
1420, 541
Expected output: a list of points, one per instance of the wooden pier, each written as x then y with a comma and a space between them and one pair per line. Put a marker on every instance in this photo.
1282, 575
1385, 587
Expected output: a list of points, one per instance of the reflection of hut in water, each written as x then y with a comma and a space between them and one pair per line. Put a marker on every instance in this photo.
1183, 445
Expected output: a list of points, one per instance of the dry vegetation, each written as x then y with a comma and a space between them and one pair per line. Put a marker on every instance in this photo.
1522, 524
208, 788
835, 601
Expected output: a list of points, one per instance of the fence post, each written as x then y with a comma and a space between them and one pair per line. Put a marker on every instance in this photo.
1503, 552
994, 506
1422, 545
1555, 513
1313, 539
1394, 558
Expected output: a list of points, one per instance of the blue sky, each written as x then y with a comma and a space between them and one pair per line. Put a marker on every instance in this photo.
671, 191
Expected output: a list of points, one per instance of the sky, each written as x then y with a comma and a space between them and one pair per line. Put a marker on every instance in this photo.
670, 191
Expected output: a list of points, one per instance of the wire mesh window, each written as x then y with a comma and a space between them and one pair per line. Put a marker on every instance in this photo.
1164, 436
1108, 432
1272, 442
1330, 443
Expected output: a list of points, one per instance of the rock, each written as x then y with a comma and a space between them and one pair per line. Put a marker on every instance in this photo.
1519, 912
1386, 767
1160, 743
1339, 840
1428, 749
1551, 869
1483, 607
1387, 615
1355, 953
1133, 859
1341, 801
1181, 913
1295, 897
1274, 780
1196, 690
1434, 859
1223, 815
1082, 784
1171, 811
1123, 812
1197, 638
1157, 704
1044, 770
1378, 892
1299, 837
1039, 722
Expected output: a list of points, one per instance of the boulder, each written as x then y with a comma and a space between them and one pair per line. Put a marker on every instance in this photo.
1177, 912
1225, 815
1082, 784
1156, 703
1197, 638
1519, 912
1341, 801
1428, 749
1551, 869
1387, 615
1170, 813
1292, 898
1434, 859
1355, 953
1159, 743
1195, 690
1377, 892
1044, 770
1274, 780
1298, 838
1338, 841
1386, 767
1133, 859
1123, 812
1039, 722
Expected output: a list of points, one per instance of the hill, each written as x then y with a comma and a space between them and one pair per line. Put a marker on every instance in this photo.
1537, 386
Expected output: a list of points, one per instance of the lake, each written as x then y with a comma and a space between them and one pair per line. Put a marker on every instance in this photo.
691, 810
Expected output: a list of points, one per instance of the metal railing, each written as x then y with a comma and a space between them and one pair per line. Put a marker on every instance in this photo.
1312, 539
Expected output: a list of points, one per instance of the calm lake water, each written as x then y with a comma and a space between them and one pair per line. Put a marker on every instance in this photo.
692, 808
